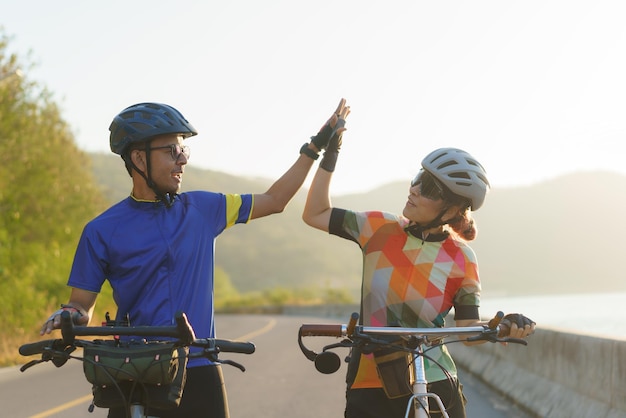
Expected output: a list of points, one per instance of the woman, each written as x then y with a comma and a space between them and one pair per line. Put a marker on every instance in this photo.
416, 268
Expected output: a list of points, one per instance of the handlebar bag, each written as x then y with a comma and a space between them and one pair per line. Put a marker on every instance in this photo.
107, 361
155, 397
395, 371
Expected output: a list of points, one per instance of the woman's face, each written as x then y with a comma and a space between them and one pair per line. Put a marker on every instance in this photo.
421, 209
425, 200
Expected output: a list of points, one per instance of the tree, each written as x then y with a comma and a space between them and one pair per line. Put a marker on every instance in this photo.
47, 194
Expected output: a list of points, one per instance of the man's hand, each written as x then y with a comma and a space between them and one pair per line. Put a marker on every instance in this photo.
333, 126
79, 317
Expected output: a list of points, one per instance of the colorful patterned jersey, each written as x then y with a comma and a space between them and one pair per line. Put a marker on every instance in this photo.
407, 281
159, 260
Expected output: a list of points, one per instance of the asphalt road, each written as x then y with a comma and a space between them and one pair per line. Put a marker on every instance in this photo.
279, 381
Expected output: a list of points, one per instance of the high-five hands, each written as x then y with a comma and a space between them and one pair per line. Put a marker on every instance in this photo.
335, 125
337, 122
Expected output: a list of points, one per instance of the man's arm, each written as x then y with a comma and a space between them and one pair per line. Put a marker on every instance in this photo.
276, 198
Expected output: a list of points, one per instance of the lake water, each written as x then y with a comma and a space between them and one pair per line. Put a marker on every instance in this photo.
597, 314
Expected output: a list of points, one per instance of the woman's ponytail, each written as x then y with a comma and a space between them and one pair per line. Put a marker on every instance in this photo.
464, 225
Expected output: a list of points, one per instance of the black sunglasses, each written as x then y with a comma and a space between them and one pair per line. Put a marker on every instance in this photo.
176, 150
429, 186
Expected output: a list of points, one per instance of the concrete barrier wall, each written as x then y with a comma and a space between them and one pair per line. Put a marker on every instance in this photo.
558, 374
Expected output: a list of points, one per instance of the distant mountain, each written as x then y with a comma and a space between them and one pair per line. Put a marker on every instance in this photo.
559, 236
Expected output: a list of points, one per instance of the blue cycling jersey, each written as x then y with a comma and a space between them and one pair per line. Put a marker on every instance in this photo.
159, 260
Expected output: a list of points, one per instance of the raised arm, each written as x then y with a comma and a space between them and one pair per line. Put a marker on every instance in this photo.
318, 207
276, 198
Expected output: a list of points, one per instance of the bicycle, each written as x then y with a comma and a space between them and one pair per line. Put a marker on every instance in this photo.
413, 342
133, 373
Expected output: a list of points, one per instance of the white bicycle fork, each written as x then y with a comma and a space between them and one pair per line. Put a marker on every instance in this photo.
419, 400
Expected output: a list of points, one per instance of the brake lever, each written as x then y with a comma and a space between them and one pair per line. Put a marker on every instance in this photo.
490, 335
512, 340
31, 364
343, 344
233, 363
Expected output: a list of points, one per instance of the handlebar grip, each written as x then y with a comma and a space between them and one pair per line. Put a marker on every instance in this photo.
321, 330
352, 324
235, 346
67, 328
38, 347
495, 321
186, 333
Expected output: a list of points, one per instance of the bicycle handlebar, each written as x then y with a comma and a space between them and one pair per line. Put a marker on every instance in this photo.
326, 330
356, 331
359, 334
30, 349
226, 346
182, 332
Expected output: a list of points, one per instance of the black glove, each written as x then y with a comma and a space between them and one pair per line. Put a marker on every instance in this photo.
332, 149
520, 320
323, 136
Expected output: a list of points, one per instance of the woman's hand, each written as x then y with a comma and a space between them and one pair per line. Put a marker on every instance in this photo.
334, 126
516, 326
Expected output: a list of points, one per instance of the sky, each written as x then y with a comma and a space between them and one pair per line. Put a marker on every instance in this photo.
532, 89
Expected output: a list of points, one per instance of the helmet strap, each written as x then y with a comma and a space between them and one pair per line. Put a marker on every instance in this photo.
418, 230
166, 198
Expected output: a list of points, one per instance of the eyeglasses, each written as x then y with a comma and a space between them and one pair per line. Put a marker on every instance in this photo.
176, 150
429, 186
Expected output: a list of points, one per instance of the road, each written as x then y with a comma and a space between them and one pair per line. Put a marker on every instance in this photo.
279, 381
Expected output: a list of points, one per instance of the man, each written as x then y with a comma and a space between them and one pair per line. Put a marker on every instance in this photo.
156, 247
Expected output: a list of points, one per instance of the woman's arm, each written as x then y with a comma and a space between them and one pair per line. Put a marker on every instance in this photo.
318, 206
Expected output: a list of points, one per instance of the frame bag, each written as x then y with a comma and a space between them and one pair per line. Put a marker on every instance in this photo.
395, 370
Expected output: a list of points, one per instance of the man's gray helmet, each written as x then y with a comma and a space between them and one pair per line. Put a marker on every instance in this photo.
459, 172
143, 121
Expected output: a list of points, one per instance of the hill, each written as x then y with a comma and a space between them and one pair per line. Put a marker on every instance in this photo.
559, 236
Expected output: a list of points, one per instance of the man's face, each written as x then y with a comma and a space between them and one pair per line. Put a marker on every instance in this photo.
168, 157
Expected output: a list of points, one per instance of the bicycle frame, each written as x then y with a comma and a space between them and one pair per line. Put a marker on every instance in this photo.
420, 338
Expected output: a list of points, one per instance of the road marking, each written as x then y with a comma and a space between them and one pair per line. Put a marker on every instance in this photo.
62, 407
271, 324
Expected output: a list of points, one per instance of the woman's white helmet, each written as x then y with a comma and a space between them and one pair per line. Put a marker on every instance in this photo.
459, 172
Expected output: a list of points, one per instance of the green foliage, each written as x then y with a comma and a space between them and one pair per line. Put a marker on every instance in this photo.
47, 193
